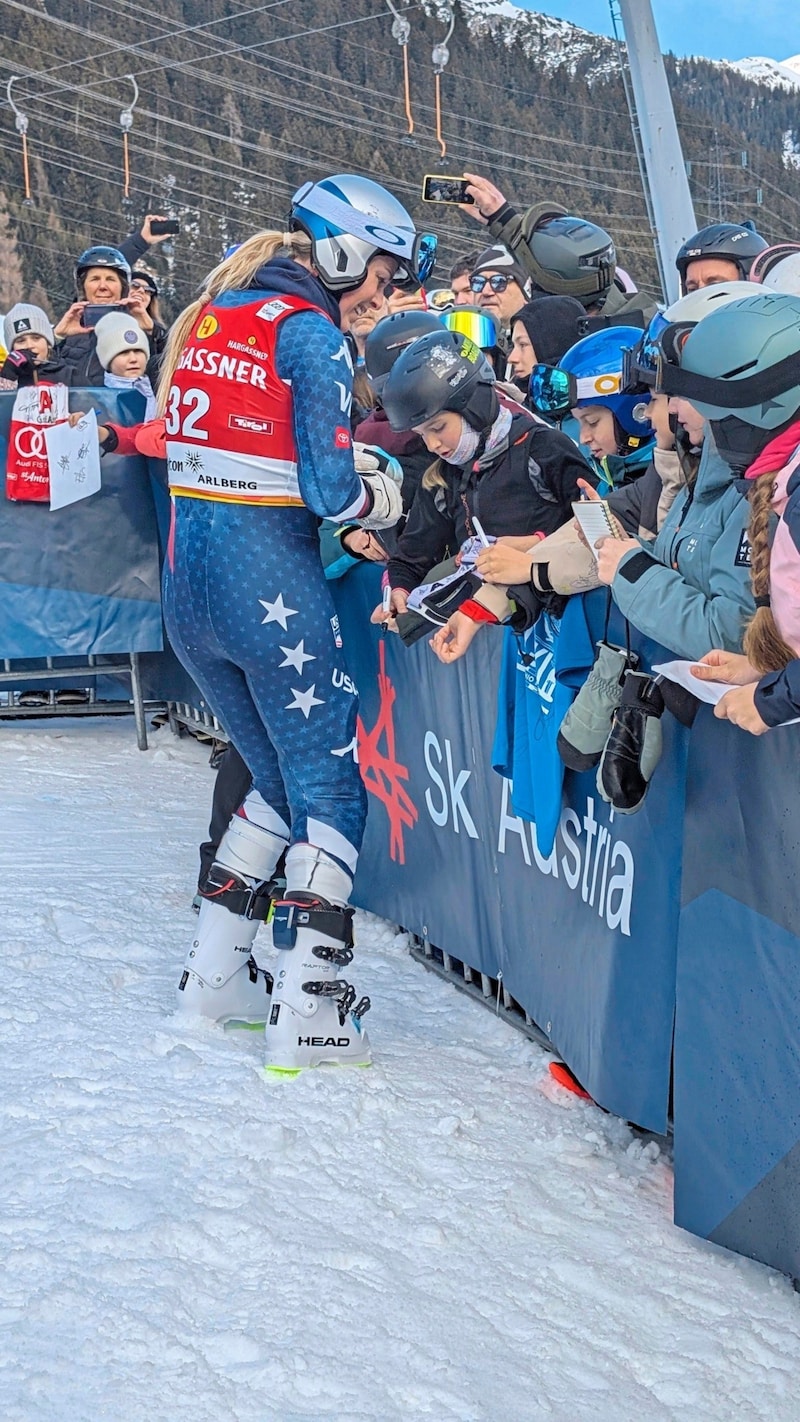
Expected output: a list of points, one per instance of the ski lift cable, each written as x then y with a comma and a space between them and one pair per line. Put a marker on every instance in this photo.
178, 64
221, 53
182, 32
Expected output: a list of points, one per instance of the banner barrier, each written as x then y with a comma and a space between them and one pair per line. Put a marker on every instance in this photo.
659, 951
678, 926
82, 579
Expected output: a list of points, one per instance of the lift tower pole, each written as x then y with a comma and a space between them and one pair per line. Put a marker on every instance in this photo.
670, 198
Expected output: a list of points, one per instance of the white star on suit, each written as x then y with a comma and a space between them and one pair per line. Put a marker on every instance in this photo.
277, 611
304, 700
296, 657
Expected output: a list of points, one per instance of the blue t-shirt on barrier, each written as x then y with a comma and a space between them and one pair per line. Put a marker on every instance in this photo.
540, 674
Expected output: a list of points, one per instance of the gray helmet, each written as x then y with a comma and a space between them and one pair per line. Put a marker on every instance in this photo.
570, 256
740, 368
390, 336
743, 358
441, 371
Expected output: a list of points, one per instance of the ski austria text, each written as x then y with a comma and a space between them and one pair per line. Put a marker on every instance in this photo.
587, 856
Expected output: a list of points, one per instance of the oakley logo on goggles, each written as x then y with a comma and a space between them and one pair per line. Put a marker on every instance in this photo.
556, 392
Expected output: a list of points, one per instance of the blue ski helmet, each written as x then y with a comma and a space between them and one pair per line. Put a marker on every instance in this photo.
349, 220
595, 365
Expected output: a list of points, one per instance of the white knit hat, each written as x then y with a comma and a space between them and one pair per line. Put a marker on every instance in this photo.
24, 320
116, 334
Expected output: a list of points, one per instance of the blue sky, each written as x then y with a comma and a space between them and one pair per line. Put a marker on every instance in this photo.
718, 29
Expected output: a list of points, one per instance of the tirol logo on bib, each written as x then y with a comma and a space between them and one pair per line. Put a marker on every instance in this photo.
36, 407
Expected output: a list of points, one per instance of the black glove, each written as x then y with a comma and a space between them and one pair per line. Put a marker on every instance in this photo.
19, 366
633, 748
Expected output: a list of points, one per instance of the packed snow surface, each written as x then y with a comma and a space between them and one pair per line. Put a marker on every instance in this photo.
448, 1235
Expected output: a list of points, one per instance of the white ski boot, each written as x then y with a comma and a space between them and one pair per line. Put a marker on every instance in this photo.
221, 978
314, 1018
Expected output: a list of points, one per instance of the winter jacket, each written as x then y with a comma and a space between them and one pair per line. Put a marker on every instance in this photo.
691, 589
525, 485
614, 471
781, 460
642, 504
777, 696
515, 231
81, 353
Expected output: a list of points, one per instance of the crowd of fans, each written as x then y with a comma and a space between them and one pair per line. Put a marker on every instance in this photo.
538, 376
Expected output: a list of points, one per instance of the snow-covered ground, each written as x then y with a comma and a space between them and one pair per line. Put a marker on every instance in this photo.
447, 1236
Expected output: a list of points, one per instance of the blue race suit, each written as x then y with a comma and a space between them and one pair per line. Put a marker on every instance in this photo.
246, 603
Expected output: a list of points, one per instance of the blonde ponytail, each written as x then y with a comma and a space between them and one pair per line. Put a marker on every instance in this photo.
764, 646
234, 274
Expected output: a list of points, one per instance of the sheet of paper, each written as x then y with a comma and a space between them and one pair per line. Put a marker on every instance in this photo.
593, 517
681, 672
73, 458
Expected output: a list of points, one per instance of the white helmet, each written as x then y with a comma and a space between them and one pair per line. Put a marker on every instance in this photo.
699, 304
351, 219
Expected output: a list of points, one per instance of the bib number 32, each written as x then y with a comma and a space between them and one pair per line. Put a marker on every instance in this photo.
185, 410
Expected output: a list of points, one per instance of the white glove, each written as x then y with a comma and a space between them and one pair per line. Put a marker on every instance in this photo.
387, 501
383, 476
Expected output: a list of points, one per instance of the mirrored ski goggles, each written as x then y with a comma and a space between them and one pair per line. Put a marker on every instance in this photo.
480, 329
555, 392
496, 281
640, 362
416, 269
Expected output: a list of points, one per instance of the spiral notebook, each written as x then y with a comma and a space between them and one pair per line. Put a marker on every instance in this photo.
596, 521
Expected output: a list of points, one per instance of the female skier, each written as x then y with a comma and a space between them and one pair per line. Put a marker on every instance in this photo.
256, 391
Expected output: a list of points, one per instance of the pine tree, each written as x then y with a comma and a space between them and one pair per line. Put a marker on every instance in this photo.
11, 280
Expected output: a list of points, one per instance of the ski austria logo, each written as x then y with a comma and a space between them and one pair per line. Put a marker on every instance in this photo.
208, 327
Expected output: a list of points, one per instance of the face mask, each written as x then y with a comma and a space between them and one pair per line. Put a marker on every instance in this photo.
738, 443
467, 445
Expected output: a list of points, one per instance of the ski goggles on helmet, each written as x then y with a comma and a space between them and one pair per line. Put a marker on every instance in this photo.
497, 281
640, 362
415, 270
555, 392
423, 259
480, 329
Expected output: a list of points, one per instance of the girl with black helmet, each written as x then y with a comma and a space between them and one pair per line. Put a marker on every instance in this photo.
256, 391
497, 471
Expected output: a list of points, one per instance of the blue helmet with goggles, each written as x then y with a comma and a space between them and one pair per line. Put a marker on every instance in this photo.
590, 373
349, 220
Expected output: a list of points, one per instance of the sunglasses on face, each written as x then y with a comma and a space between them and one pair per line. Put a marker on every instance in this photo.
497, 282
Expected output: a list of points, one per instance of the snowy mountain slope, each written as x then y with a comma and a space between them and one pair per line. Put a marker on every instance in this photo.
557, 44
553, 44
768, 72
446, 1236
